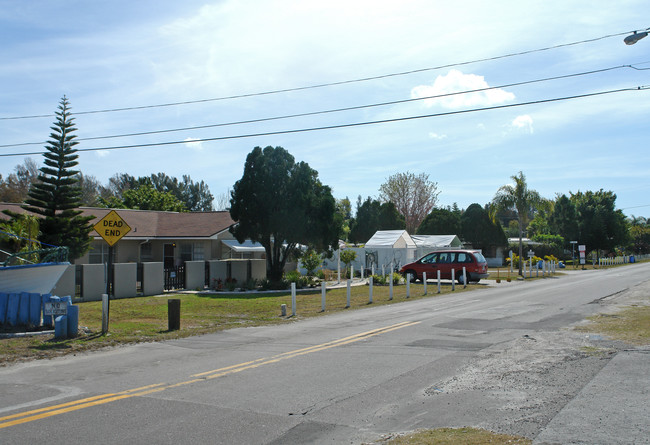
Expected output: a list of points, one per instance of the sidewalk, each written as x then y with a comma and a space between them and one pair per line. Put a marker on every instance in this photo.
614, 408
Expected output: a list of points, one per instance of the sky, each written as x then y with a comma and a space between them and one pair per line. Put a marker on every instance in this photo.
231, 61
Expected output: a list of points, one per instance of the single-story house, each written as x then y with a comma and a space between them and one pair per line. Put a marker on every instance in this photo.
168, 237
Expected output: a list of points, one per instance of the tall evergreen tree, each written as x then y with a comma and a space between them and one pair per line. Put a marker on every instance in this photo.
56, 194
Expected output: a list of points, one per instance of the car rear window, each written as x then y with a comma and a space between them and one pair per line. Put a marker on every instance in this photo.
464, 257
479, 257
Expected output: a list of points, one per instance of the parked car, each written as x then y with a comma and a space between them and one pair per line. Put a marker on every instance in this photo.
447, 260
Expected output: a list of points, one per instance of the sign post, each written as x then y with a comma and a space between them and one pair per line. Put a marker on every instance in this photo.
111, 228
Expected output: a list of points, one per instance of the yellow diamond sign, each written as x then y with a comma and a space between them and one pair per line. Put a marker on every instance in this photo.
112, 227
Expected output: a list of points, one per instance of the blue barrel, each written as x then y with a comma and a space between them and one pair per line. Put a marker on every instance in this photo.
61, 327
12, 309
23, 309
73, 320
4, 298
47, 319
35, 309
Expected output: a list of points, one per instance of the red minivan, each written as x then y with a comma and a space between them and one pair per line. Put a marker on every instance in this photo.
447, 260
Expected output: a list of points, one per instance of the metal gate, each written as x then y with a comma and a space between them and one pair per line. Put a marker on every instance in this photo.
175, 278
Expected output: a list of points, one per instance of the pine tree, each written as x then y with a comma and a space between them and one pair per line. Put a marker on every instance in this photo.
56, 195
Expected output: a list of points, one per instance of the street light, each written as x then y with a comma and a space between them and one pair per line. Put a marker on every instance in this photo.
635, 37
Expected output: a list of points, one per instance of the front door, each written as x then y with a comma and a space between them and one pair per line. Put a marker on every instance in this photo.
168, 255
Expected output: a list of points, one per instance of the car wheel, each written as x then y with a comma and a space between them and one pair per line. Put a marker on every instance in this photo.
414, 276
460, 277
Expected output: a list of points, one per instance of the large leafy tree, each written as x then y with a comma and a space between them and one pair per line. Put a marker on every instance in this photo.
413, 195
564, 220
371, 216
441, 222
145, 197
195, 196
601, 225
478, 229
280, 204
16, 186
56, 194
519, 198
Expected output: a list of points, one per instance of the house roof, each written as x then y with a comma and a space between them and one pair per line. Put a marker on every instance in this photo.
396, 239
247, 246
155, 224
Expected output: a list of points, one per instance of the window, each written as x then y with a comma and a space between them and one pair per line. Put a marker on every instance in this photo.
146, 252
464, 257
430, 259
192, 252
98, 253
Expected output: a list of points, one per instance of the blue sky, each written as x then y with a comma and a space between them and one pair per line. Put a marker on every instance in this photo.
117, 54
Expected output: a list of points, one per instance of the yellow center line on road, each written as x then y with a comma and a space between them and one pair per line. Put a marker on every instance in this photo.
41, 413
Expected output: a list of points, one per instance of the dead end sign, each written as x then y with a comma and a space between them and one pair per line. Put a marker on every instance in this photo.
112, 227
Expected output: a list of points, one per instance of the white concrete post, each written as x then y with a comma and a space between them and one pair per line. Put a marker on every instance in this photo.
453, 279
351, 272
464, 277
390, 286
524, 270
104, 313
408, 285
424, 281
512, 261
438, 271
370, 289
383, 271
323, 291
349, 290
373, 269
293, 299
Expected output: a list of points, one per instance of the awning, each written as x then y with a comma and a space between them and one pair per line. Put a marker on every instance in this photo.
247, 246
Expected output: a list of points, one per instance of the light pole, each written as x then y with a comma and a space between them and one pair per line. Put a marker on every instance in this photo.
635, 37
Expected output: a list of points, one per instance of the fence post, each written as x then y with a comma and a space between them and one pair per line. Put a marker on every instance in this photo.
438, 271
424, 281
390, 286
370, 289
464, 277
349, 284
293, 299
408, 285
322, 295
453, 279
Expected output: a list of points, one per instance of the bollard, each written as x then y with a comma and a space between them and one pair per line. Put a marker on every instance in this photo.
390, 286
174, 314
464, 277
283, 310
370, 289
424, 281
453, 280
438, 271
293, 299
408, 285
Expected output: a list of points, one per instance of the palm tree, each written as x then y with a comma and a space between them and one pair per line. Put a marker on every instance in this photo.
519, 198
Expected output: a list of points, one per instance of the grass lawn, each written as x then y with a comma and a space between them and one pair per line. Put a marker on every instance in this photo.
145, 319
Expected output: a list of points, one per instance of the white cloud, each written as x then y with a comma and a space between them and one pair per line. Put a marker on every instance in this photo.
193, 143
455, 81
437, 136
524, 122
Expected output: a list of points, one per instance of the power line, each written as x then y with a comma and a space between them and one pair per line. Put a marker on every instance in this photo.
328, 84
336, 110
332, 127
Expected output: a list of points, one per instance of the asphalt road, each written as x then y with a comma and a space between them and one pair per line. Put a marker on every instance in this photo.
498, 357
